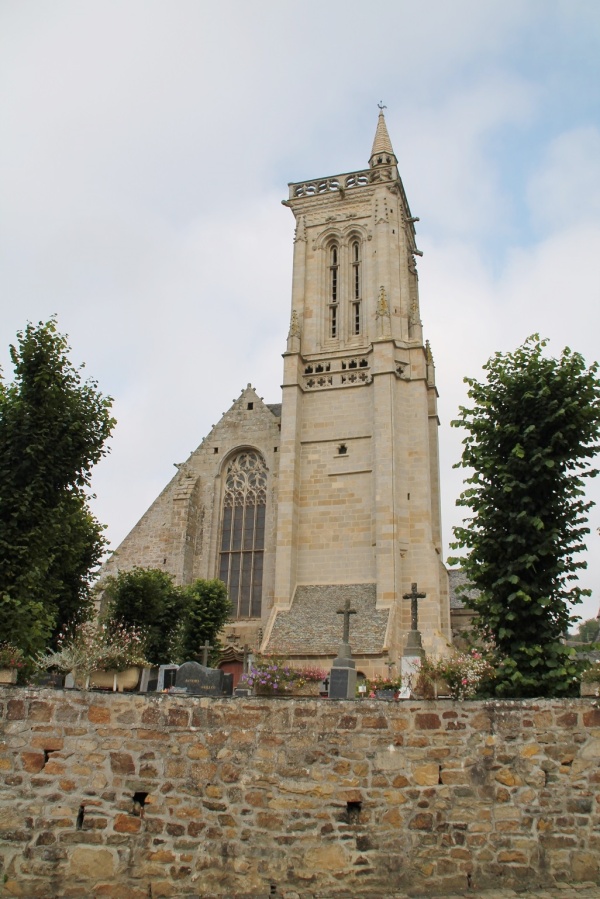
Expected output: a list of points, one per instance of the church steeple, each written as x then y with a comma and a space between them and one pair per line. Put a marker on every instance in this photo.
382, 152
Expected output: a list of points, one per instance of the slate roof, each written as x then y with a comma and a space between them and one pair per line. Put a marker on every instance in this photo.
312, 625
275, 409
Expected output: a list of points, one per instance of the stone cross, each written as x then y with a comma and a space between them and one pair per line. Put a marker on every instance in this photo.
414, 597
205, 650
346, 612
245, 660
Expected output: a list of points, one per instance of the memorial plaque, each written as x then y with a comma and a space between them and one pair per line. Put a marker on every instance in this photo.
200, 681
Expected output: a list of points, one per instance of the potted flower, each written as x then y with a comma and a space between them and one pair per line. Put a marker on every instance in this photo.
380, 687
99, 654
269, 676
307, 680
11, 661
590, 680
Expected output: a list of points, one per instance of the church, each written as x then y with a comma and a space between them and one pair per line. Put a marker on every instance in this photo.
333, 493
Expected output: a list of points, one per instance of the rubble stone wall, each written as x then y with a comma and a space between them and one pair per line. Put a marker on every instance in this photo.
133, 796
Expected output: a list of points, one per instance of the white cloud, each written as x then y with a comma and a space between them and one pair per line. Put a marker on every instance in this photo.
565, 190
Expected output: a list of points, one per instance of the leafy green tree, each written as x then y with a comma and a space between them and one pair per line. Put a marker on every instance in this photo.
149, 599
532, 431
53, 429
208, 608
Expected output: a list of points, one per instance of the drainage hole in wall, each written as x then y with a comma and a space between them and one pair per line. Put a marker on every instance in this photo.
80, 817
353, 810
138, 802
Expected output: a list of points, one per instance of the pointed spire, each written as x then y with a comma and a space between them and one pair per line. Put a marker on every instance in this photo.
382, 152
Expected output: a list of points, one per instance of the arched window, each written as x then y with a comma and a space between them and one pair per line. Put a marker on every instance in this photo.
333, 291
355, 279
243, 532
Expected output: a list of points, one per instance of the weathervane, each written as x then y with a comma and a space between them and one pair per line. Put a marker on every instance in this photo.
381, 105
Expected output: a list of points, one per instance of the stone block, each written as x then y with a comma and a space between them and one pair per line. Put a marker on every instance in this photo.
98, 714
426, 775
127, 824
91, 864
121, 763
32, 762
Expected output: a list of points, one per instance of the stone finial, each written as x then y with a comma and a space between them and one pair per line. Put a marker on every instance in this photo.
295, 330
300, 232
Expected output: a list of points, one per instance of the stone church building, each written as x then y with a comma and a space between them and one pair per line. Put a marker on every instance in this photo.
333, 493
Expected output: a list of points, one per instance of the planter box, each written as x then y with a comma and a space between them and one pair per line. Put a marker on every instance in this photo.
117, 681
310, 688
591, 688
8, 675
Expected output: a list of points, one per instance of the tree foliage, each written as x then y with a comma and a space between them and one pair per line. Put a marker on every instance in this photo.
532, 431
53, 429
149, 599
207, 609
588, 631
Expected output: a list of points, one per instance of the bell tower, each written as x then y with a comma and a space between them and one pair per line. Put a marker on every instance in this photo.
358, 495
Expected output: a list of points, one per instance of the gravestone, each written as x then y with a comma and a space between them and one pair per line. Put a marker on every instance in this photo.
149, 680
342, 677
227, 683
413, 651
166, 677
201, 681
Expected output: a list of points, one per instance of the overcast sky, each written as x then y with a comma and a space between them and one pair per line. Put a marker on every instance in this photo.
146, 146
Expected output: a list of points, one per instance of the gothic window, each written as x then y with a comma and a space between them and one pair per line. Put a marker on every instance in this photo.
333, 290
355, 287
243, 532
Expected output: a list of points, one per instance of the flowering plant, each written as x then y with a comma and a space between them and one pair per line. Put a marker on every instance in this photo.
96, 646
378, 683
11, 656
463, 673
308, 674
591, 675
269, 674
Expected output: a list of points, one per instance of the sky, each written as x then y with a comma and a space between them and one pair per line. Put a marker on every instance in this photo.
146, 146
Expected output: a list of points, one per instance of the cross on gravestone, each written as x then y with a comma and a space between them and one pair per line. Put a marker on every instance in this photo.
245, 659
205, 650
414, 597
346, 612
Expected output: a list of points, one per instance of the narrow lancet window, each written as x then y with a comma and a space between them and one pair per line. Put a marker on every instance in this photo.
243, 533
356, 287
333, 291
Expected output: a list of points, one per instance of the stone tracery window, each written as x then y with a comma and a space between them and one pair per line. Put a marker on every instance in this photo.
243, 532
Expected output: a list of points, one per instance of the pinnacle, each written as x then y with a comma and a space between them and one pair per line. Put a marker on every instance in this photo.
382, 152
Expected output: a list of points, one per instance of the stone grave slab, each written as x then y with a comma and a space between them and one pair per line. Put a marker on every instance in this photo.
342, 683
199, 680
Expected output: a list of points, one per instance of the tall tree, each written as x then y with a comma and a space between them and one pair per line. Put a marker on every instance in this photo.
532, 431
208, 608
149, 599
53, 429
